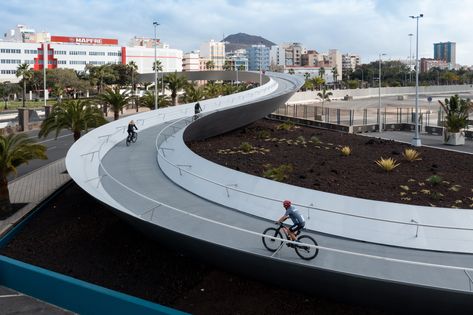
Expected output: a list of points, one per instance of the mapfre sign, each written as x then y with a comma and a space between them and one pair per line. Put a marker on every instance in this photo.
84, 40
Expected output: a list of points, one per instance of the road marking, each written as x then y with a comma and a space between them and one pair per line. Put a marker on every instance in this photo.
52, 148
51, 139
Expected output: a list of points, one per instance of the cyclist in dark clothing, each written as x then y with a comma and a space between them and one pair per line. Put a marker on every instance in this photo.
197, 108
297, 220
131, 127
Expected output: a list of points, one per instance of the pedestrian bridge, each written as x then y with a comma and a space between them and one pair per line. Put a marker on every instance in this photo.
366, 247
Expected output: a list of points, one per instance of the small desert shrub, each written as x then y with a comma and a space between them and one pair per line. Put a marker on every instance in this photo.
279, 173
315, 140
387, 164
288, 126
411, 155
346, 150
434, 180
301, 139
246, 147
263, 134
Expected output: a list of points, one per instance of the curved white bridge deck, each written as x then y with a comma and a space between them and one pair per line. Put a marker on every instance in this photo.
129, 179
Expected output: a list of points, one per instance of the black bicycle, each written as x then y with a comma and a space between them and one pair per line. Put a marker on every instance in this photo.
131, 138
273, 241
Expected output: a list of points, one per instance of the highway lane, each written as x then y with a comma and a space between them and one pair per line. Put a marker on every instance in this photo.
56, 149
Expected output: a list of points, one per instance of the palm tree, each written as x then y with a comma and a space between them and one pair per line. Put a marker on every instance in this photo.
227, 66
175, 82
15, 150
147, 100
74, 115
212, 90
210, 65
157, 65
116, 100
335, 74
193, 93
325, 96
26, 74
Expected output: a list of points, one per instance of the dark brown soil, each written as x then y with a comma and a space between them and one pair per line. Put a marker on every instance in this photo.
318, 164
77, 236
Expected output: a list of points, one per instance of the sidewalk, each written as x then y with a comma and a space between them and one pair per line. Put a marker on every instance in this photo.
427, 140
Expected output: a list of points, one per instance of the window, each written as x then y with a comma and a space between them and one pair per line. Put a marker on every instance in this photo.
96, 53
97, 62
116, 54
8, 72
61, 62
31, 51
60, 52
10, 51
10, 61
77, 62
76, 53
29, 62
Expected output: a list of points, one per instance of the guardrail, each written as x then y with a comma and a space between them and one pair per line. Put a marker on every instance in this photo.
152, 215
115, 133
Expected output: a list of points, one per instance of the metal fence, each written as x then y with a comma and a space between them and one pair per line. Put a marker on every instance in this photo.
363, 116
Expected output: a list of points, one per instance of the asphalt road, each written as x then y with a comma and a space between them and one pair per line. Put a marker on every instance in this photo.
56, 149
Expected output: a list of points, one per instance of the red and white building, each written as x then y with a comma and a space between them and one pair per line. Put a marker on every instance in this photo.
23, 45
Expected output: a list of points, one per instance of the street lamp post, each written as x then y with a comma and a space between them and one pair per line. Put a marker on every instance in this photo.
380, 124
45, 65
416, 140
155, 24
261, 64
410, 57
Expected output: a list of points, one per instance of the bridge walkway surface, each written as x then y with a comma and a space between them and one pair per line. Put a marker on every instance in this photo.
150, 195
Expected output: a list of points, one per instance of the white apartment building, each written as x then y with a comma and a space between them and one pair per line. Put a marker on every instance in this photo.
191, 61
21, 45
215, 52
350, 61
277, 56
335, 58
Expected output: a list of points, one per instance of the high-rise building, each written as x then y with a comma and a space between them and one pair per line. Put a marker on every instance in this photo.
350, 61
276, 57
238, 59
293, 53
445, 51
215, 52
191, 61
23, 45
258, 57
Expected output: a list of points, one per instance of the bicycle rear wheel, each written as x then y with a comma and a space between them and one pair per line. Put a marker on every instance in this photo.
127, 141
272, 239
304, 251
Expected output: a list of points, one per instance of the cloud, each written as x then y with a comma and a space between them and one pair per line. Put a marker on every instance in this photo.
366, 27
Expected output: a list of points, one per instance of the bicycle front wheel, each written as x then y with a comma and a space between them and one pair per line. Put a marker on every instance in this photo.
306, 249
127, 141
272, 239
134, 138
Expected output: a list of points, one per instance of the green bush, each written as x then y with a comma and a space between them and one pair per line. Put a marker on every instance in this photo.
246, 147
279, 173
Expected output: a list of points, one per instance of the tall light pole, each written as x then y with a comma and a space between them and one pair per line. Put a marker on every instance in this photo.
45, 64
410, 57
416, 141
380, 124
261, 63
155, 24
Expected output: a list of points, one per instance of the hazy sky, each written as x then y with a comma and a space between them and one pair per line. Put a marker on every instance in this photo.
365, 27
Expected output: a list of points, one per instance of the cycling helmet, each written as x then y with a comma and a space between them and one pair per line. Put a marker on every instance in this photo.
286, 203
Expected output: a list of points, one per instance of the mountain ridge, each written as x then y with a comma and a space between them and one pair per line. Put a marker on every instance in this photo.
244, 41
